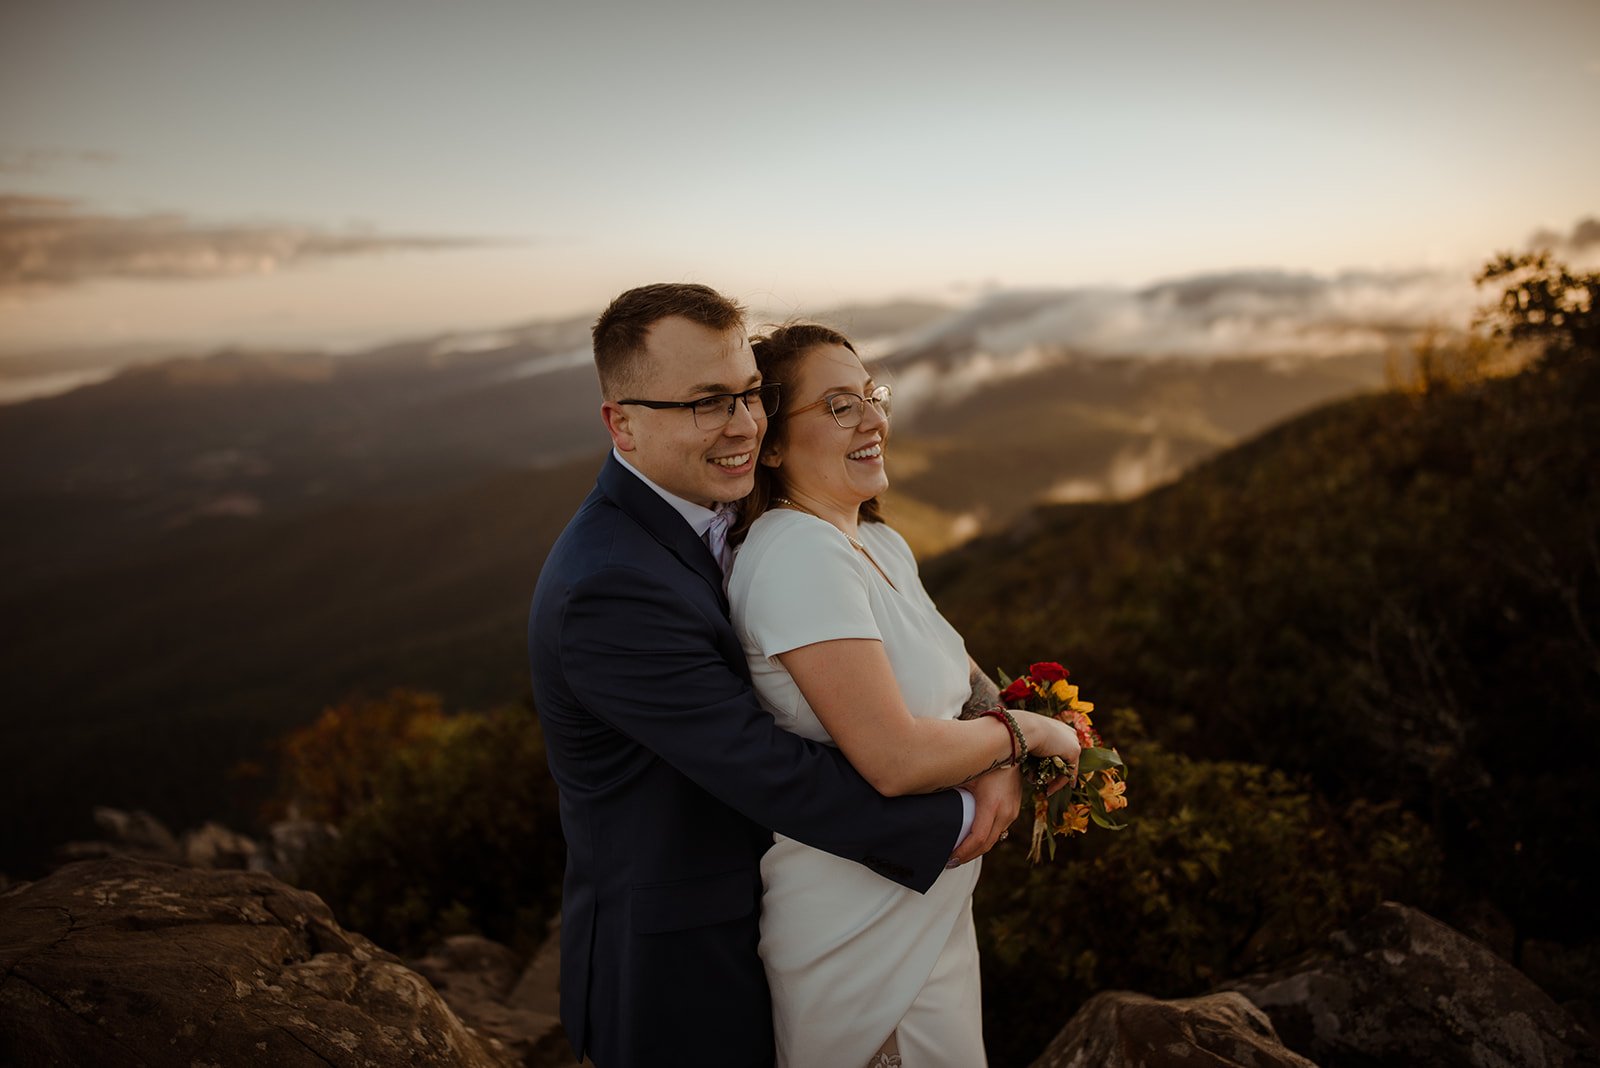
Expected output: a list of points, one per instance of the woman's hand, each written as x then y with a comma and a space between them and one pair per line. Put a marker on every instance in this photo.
1048, 736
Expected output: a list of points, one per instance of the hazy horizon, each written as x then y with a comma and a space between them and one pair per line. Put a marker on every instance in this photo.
203, 175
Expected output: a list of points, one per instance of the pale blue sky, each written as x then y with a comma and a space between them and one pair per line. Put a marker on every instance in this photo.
796, 154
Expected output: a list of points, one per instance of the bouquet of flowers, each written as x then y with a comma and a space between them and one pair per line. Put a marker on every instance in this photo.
1101, 788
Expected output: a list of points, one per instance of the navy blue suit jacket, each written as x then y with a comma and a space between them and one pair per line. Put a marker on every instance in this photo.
670, 776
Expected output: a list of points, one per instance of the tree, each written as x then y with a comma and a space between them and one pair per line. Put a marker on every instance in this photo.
1544, 304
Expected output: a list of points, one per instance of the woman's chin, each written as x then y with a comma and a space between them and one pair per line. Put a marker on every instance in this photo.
875, 488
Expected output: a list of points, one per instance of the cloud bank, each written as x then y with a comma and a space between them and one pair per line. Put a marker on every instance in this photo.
40, 160
50, 241
1262, 314
1584, 238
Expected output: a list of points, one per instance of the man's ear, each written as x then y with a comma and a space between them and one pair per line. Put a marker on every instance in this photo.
618, 425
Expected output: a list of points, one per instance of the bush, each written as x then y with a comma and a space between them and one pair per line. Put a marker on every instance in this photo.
1226, 867
447, 823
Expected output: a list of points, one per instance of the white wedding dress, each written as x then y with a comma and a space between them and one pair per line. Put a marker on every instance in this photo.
852, 957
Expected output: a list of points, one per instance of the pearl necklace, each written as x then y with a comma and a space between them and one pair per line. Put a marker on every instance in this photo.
797, 506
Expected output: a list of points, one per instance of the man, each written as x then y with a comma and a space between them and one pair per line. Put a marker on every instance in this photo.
670, 774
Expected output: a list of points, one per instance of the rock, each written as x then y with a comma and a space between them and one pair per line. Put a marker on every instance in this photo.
483, 983
293, 841
127, 834
215, 846
1118, 1029
539, 989
1403, 988
136, 830
470, 965
126, 962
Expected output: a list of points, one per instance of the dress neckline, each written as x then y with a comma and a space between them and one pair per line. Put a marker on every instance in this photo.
855, 543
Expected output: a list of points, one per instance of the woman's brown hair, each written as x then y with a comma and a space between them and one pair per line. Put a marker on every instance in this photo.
779, 357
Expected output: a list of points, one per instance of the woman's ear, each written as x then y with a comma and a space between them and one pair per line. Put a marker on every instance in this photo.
771, 456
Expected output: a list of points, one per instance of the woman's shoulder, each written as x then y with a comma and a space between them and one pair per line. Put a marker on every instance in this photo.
785, 526
783, 534
881, 536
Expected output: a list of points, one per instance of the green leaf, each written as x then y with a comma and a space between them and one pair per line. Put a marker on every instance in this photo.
1102, 820
1096, 759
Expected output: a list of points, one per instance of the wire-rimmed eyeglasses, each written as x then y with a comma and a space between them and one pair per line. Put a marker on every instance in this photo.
848, 409
716, 411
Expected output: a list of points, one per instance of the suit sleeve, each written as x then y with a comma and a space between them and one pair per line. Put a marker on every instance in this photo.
648, 665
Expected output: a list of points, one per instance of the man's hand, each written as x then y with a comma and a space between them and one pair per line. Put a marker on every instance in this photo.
997, 797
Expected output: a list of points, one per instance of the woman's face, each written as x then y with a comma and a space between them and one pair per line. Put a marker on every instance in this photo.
821, 464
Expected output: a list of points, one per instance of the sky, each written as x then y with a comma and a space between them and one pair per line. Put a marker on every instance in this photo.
332, 175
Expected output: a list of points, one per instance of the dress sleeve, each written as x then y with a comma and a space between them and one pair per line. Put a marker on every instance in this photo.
806, 587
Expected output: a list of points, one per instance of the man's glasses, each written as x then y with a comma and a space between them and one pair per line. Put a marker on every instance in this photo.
848, 409
716, 411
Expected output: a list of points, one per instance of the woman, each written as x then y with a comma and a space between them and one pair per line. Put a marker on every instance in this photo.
846, 647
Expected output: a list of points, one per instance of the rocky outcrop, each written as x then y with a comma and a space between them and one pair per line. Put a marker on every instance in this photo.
485, 984
140, 835
125, 962
1118, 1029
218, 847
1403, 988
129, 834
293, 842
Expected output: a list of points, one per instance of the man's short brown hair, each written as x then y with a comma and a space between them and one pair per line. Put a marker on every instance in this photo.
619, 333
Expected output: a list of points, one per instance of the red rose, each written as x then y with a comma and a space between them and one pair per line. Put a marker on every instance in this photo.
1019, 690
1048, 672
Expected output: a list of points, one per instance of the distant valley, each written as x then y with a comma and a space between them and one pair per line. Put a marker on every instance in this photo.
206, 551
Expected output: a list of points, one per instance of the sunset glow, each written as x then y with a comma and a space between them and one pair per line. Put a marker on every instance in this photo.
209, 174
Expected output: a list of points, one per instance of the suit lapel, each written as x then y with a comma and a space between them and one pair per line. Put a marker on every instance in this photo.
661, 520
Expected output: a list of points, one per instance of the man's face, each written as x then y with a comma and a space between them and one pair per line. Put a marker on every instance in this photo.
684, 361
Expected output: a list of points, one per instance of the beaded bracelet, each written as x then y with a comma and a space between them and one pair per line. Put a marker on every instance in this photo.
1019, 744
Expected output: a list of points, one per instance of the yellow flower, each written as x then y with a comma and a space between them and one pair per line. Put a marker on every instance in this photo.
1111, 792
1064, 691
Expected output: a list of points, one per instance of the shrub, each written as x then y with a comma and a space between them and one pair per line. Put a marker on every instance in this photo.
447, 823
1226, 867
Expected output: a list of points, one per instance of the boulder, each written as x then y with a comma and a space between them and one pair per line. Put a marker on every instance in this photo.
1402, 988
1118, 1029
125, 834
294, 841
485, 984
125, 962
216, 846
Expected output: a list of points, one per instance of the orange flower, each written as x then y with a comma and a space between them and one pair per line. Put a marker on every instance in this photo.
1111, 792
1074, 820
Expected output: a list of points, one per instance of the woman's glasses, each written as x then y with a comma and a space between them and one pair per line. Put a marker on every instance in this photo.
848, 409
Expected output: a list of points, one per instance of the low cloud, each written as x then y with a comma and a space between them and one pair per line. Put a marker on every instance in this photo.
40, 160
1258, 313
1218, 316
51, 241
1585, 237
